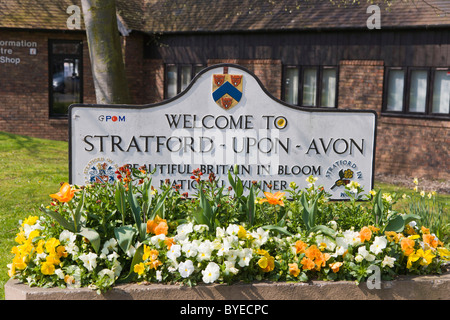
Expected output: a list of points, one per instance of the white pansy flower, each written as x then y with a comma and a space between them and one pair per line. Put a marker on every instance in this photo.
131, 251
233, 229
349, 237
190, 249
260, 236
117, 268
183, 230
201, 228
67, 237
110, 245
156, 240
159, 275
108, 273
329, 244
245, 255
220, 232
211, 273
388, 261
174, 252
378, 245
112, 256
366, 254
232, 255
59, 273
204, 250
224, 248
89, 260
230, 268
28, 229
186, 268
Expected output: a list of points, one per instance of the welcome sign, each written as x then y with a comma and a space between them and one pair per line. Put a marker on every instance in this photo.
225, 119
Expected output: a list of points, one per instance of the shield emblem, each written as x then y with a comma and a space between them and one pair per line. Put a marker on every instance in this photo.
227, 89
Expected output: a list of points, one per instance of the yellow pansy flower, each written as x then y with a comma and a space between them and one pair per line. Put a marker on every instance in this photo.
48, 268
444, 253
139, 268
426, 257
241, 232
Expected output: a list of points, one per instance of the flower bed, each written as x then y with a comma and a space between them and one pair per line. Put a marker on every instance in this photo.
102, 235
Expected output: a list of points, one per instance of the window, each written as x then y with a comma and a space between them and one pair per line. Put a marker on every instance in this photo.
417, 91
310, 86
178, 77
65, 75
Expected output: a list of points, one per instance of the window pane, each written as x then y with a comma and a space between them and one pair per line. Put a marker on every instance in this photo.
328, 98
291, 86
441, 92
309, 86
65, 84
418, 91
66, 47
186, 72
395, 90
171, 81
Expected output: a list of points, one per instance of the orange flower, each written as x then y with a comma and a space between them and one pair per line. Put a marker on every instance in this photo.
430, 239
425, 230
392, 236
65, 194
154, 264
307, 263
273, 198
293, 269
365, 234
312, 252
169, 242
300, 246
407, 246
335, 266
157, 226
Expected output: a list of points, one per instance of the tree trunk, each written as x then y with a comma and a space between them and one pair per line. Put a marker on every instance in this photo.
105, 51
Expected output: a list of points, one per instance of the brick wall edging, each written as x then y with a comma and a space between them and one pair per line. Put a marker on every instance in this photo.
431, 287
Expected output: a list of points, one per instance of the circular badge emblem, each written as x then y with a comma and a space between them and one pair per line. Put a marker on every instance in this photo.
100, 170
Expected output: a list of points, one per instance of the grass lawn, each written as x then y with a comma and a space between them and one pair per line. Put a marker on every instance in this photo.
31, 169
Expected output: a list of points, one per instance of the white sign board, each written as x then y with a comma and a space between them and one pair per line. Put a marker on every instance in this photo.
225, 118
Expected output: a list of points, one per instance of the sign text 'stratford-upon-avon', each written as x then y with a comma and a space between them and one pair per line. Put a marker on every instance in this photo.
225, 119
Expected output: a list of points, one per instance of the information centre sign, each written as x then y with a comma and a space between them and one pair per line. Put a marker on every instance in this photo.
225, 119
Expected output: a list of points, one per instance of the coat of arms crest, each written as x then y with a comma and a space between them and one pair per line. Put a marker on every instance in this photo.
227, 89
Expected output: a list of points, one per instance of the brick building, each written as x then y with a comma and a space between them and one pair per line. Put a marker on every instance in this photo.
316, 54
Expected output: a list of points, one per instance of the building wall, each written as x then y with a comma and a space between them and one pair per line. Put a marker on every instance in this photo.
405, 146
24, 89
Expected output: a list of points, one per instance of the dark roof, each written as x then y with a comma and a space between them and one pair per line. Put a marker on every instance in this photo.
52, 14
161, 16
240, 15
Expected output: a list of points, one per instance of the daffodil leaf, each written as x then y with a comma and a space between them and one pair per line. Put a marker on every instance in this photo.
120, 199
77, 215
59, 218
410, 217
251, 206
231, 180
124, 236
325, 230
137, 258
92, 236
159, 207
278, 229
